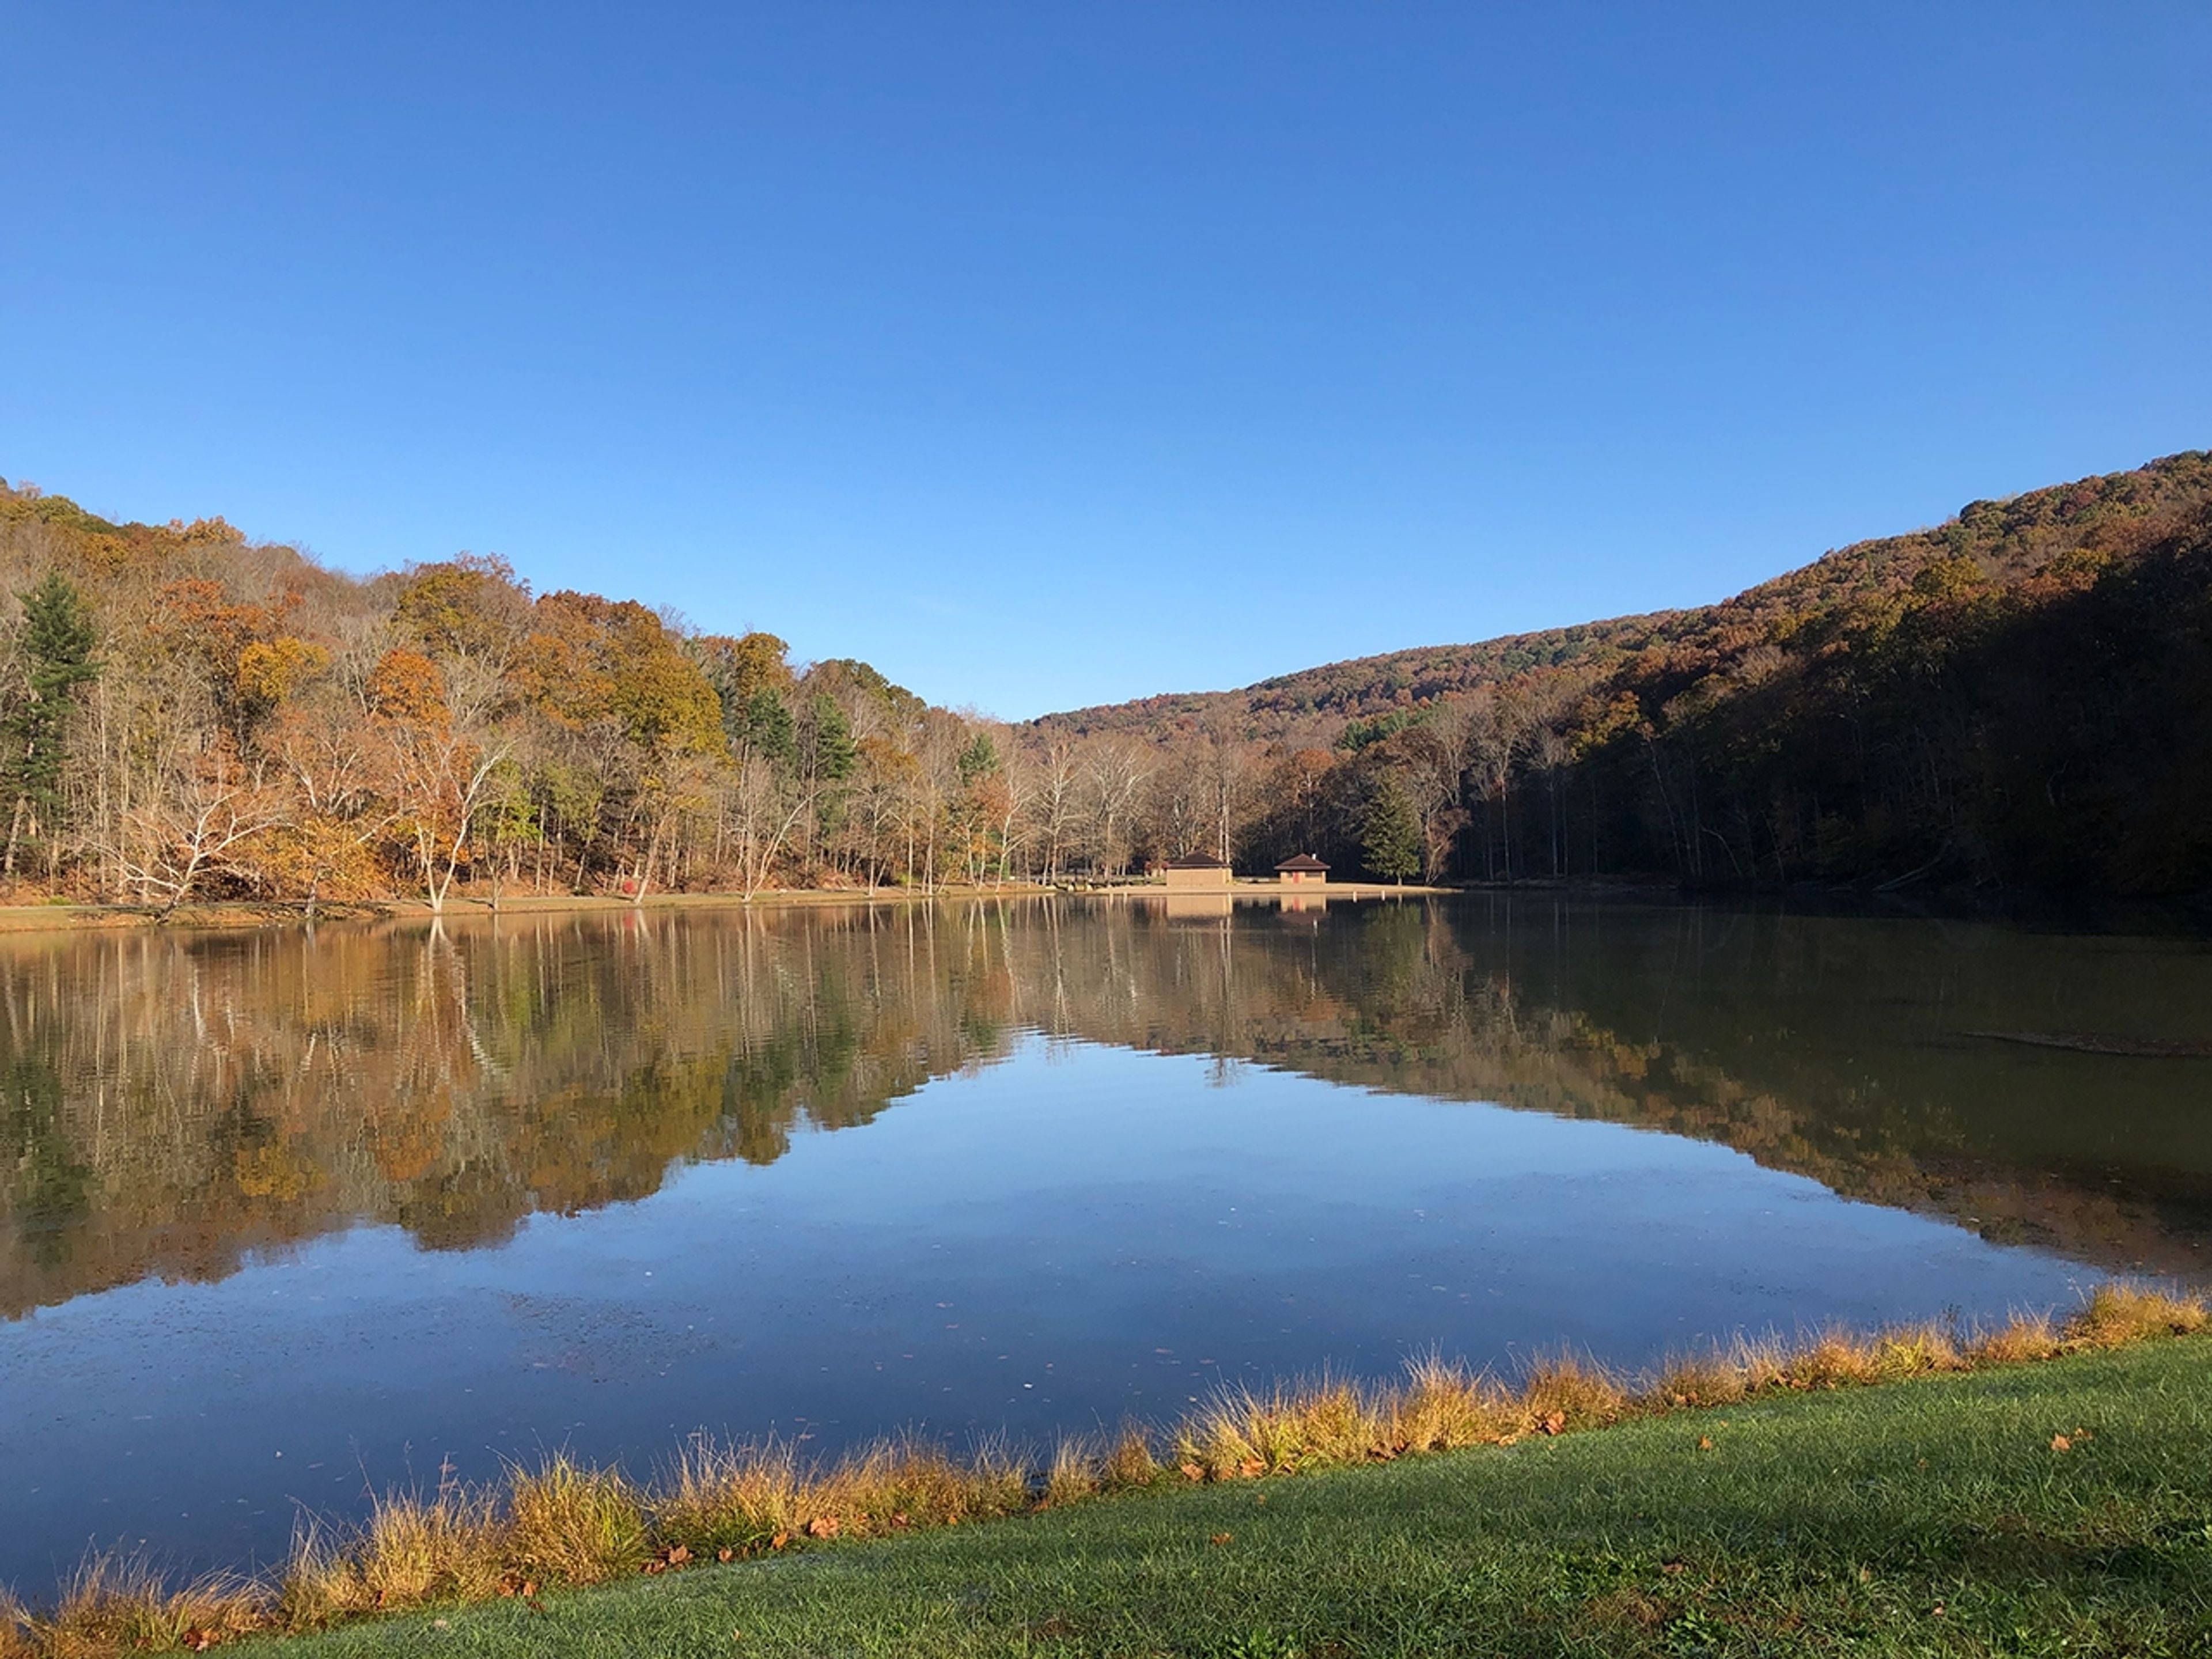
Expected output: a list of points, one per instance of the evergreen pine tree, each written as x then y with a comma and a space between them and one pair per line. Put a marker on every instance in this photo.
54, 658
1390, 838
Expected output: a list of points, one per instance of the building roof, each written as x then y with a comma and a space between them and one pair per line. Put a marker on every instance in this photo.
1197, 861
1304, 861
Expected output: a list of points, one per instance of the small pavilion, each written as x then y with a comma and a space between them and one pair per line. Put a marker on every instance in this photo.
1198, 872
1304, 871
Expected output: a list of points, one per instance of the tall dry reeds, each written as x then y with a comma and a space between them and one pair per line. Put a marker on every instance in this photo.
560, 1522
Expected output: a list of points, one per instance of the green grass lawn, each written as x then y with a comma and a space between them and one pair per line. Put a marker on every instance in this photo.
1930, 1516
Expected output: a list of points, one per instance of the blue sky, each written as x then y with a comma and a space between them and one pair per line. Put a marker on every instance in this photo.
1044, 354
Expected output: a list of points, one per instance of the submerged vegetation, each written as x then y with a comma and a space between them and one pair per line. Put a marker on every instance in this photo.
2014, 696
560, 1524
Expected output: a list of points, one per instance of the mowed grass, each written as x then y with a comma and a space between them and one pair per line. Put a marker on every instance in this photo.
2055, 1508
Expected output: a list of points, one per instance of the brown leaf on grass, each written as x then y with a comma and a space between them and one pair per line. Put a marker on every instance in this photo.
678, 1554
1553, 1423
1219, 1538
824, 1526
1705, 1443
899, 1522
1673, 1569
1252, 1469
779, 1540
1192, 1472
199, 1639
2060, 1442
653, 1567
726, 1553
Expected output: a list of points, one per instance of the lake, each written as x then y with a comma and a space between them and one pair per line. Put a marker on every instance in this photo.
286, 1215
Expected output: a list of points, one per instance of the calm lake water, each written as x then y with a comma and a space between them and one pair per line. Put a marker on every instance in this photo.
285, 1216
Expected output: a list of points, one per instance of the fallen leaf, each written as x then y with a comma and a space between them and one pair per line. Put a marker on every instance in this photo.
1218, 1538
198, 1640
1705, 1443
1554, 1423
726, 1553
653, 1567
1251, 1469
1673, 1569
779, 1540
2060, 1442
1192, 1472
822, 1526
530, 1587
678, 1555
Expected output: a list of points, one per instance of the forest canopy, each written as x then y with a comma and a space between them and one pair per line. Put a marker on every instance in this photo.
2018, 696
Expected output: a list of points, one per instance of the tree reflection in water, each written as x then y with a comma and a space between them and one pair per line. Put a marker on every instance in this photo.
176, 1103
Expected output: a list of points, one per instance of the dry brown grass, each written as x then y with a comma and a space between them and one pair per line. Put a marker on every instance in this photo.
1129, 1463
115, 1604
562, 1522
2116, 1315
578, 1525
1566, 1392
1075, 1474
1443, 1406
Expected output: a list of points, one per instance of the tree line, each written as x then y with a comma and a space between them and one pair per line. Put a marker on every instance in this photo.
2018, 696
2015, 696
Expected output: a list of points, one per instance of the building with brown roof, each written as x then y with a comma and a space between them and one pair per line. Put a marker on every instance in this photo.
1199, 872
1304, 871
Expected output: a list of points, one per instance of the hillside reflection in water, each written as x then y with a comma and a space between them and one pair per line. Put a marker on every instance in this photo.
1070, 1228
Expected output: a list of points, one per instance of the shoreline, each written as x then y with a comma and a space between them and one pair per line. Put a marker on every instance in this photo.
245, 914
558, 1524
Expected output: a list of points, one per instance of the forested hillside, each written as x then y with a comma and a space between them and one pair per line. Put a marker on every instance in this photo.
2022, 696
186, 713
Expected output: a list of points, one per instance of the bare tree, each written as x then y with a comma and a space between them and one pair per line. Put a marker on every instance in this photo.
206, 809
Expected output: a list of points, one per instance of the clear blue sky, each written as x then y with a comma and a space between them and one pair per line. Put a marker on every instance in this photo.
1045, 354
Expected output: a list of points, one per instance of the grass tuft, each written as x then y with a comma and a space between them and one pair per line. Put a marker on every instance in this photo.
579, 1525
2116, 1315
115, 1604
1565, 1391
1241, 1434
1128, 1465
2020, 1339
1443, 1406
740, 1499
1073, 1474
